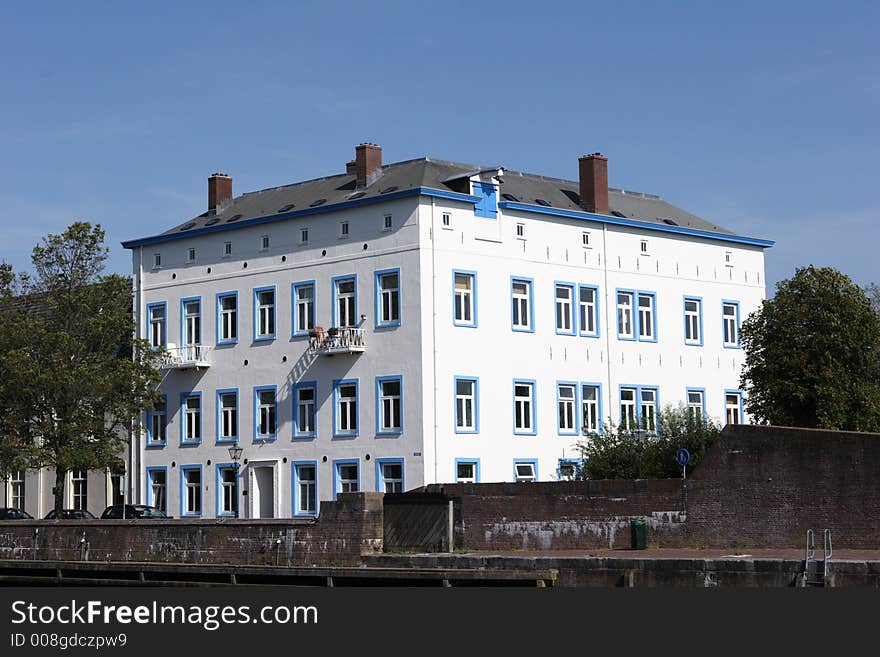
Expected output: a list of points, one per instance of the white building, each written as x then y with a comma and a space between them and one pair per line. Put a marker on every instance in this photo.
485, 318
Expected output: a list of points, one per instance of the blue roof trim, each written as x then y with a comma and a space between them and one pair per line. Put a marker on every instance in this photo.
256, 221
589, 216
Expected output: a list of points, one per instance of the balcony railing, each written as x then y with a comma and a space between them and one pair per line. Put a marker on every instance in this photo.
345, 341
187, 357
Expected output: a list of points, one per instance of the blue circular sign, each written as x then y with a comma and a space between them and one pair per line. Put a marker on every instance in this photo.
683, 456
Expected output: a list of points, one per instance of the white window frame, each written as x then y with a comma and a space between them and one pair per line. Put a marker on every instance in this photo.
629, 419
588, 311
524, 411
264, 327
464, 307
390, 404
266, 427
228, 498
228, 429
346, 393
304, 308
158, 419
17, 489
648, 408
521, 302
228, 318
566, 408
696, 403
466, 404
307, 489
79, 489
347, 483
388, 298
158, 326
192, 431
590, 413
647, 316
564, 318
693, 334
306, 411
473, 478
192, 334
346, 302
625, 318
192, 491
159, 489
730, 324
733, 407
391, 484
524, 472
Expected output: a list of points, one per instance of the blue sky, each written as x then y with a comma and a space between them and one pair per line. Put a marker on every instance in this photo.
760, 116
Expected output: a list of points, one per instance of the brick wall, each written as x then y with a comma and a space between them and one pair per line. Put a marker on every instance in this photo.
346, 530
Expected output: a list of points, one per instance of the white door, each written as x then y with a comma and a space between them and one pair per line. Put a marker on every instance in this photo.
262, 492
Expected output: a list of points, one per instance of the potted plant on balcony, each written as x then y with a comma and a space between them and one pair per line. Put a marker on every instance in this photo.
332, 331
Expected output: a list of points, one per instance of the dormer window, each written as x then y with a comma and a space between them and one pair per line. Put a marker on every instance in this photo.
487, 206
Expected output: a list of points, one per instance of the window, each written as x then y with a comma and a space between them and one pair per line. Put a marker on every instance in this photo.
227, 490
390, 407
591, 414
345, 304
343, 229
227, 415
466, 410
227, 318
625, 316
647, 331
733, 407
157, 331
191, 490
303, 235
305, 489
525, 471
190, 255
191, 428
564, 319
388, 298
467, 471
464, 299
345, 407
157, 424
157, 260
628, 408
264, 242
446, 221
521, 230
117, 489
16, 489
693, 321
730, 321
79, 486
638, 408
648, 415
588, 310
192, 328
524, 410
304, 416
487, 206
264, 313
227, 249
265, 413
585, 239
303, 307
696, 406
347, 478
387, 223
565, 404
643, 248
728, 258
567, 469
521, 299
157, 487
389, 475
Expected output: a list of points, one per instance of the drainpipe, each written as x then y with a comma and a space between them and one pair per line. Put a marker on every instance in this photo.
434, 327
608, 315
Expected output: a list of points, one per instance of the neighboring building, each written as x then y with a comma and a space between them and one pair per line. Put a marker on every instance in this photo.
487, 319
31, 490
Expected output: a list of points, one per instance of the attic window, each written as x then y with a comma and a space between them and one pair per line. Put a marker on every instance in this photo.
191, 224
510, 197
287, 207
234, 217
670, 222
356, 195
388, 190
487, 206
157, 260
644, 247
728, 258
191, 255
541, 201
211, 222
320, 201
618, 214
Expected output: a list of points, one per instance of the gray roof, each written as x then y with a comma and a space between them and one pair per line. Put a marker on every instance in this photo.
440, 175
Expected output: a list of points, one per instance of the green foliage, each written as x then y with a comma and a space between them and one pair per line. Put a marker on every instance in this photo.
72, 378
619, 453
813, 355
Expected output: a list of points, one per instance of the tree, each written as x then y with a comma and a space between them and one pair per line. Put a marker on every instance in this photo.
873, 292
619, 453
72, 377
812, 354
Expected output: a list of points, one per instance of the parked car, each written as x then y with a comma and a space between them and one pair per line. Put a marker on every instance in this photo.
11, 513
133, 511
70, 514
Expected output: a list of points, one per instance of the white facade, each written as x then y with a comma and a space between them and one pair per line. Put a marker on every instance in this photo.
462, 381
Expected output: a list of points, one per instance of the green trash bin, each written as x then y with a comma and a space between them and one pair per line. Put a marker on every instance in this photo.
638, 529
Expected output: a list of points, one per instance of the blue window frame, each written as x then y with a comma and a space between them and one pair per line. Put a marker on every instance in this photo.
265, 413
304, 479
389, 405
466, 409
693, 321
522, 316
566, 469
191, 491
157, 487
733, 407
588, 311
525, 411
305, 409
227, 415
227, 317
639, 407
567, 408
591, 407
157, 324
525, 470
346, 476
265, 306
696, 401
190, 418
345, 305
467, 470
388, 298
636, 315
227, 485
157, 424
563, 299
730, 323
390, 475
346, 422
302, 303
487, 206
464, 298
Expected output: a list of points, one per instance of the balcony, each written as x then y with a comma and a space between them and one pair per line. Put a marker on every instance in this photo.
343, 341
194, 356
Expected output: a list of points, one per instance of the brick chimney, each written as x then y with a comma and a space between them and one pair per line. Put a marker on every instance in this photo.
219, 192
593, 171
367, 163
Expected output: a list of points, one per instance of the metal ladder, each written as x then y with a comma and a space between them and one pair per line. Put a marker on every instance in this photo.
816, 571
